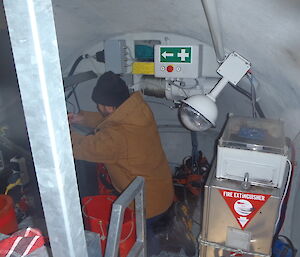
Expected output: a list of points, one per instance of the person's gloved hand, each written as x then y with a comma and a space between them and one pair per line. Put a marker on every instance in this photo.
75, 118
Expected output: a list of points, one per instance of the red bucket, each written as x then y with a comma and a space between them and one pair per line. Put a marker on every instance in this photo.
97, 212
8, 221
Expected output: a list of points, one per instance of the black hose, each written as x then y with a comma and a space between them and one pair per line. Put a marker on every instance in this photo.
71, 72
75, 64
253, 100
70, 93
194, 148
242, 91
76, 98
286, 242
259, 110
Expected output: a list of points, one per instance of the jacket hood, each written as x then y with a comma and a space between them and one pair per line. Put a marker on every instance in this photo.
134, 111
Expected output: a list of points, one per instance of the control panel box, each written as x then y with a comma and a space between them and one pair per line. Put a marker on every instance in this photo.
115, 56
178, 61
252, 148
234, 68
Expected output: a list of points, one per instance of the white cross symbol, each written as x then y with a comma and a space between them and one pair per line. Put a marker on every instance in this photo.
183, 55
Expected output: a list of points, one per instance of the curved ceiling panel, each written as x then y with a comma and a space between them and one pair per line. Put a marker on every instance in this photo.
265, 32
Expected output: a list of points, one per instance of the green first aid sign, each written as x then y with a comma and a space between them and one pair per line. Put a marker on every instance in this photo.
176, 54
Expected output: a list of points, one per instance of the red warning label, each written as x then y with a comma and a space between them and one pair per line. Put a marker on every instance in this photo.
243, 205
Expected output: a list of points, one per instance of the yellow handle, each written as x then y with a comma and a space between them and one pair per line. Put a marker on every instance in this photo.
11, 186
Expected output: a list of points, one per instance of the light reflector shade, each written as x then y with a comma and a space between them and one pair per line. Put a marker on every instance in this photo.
198, 113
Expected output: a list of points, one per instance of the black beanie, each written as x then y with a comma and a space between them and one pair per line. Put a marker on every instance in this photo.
110, 90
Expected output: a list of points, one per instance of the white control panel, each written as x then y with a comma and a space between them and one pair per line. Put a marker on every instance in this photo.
178, 61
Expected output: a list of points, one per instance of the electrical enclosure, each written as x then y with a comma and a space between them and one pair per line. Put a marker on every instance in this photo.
115, 56
253, 146
234, 68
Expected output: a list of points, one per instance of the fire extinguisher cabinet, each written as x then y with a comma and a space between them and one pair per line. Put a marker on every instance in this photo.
237, 222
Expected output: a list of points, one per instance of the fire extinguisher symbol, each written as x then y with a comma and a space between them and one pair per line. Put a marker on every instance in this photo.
243, 207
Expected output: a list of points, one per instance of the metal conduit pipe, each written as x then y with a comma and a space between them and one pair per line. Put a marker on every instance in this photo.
153, 86
212, 17
157, 87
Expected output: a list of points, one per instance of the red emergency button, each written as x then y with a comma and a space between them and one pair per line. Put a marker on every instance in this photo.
170, 68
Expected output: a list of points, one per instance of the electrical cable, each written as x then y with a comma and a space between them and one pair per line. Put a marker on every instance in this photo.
130, 54
76, 98
75, 64
71, 72
248, 95
92, 62
195, 154
184, 87
254, 78
242, 91
154, 102
252, 103
253, 94
251, 78
289, 242
196, 222
191, 87
73, 106
173, 83
131, 67
71, 91
259, 110
296, 136
285, 203
284, 195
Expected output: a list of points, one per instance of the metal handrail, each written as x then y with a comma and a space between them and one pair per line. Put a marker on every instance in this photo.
135, 192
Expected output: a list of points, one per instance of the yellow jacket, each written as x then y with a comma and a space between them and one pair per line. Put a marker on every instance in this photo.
128, 143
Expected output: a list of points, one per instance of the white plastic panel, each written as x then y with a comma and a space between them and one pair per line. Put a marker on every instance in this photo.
263, 168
